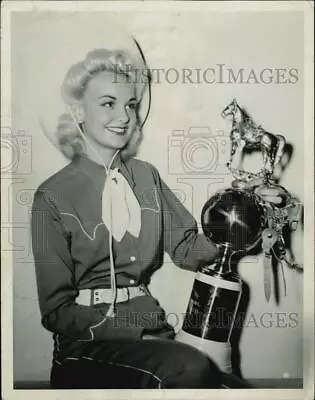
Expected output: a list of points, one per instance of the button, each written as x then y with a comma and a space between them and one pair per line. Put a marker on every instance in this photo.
132, 281
132, 258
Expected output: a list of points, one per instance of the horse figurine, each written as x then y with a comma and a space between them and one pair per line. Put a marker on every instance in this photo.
246, 133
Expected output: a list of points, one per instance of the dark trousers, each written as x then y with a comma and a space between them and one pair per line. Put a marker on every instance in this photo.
126, 364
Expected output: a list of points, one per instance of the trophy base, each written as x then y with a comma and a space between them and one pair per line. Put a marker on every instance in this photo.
219, 352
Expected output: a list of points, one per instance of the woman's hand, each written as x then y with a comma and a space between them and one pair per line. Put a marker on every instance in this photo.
273, 194
149, 337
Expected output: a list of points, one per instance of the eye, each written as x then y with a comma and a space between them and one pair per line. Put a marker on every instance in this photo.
132, 106
108, 104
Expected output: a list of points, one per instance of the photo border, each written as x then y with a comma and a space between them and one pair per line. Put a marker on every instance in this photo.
10, 7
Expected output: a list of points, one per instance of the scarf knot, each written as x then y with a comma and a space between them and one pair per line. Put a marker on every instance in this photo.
121, 211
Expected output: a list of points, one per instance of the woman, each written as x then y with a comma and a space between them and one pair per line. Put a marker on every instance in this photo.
100, 227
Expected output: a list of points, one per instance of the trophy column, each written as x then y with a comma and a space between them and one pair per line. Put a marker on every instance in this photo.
211, 311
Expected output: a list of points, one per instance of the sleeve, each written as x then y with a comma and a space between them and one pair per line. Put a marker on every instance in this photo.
56, 286
187, 248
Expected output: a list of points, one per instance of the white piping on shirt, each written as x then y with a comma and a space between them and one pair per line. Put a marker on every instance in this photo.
82, 228
92, 238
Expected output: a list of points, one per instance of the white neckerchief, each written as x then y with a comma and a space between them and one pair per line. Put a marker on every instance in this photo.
119, 198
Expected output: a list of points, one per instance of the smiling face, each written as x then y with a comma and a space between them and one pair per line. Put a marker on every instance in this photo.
109, 107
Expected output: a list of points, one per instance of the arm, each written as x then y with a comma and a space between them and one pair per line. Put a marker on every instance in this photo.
187, 248
56, 287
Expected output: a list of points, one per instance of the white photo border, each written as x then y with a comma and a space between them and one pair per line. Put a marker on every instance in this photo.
9, 393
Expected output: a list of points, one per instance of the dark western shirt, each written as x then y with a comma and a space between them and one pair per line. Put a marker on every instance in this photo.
71, 250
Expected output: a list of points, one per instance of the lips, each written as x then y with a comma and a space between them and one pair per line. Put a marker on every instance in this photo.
117, 130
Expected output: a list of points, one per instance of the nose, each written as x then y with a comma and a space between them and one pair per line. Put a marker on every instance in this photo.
122, 116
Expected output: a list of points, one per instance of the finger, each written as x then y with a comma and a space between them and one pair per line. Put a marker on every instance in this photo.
272, 199
254, 182
266, 191
149, 337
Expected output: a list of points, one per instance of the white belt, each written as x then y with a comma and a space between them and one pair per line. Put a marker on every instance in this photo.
89, 297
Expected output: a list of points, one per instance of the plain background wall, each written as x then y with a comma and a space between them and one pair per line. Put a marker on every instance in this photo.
43, 47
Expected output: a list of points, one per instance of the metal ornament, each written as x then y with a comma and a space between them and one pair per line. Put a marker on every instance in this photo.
246, 133
269, 238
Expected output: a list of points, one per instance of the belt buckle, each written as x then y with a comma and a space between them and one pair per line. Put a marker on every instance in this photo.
124, 294
97, 296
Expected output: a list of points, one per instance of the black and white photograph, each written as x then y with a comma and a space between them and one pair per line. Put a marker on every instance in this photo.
157, 182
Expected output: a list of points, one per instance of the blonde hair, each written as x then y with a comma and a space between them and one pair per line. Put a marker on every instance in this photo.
69, 137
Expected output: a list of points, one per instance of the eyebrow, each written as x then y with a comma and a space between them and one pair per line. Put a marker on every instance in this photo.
114, 98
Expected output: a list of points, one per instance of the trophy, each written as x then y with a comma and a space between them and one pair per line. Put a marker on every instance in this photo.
237, 220
246, 134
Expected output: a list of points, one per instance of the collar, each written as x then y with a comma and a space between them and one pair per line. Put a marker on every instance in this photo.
97, 171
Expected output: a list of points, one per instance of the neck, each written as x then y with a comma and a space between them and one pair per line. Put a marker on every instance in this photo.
99, 154
103, 155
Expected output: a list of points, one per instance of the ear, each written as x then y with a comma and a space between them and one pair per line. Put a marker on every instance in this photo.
78, 111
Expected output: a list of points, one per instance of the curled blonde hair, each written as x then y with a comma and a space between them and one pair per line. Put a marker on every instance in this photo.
69, 137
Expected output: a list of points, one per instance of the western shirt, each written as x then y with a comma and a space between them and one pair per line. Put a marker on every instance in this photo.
71, 247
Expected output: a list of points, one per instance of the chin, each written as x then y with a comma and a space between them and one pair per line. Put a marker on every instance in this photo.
120, 144
116, 146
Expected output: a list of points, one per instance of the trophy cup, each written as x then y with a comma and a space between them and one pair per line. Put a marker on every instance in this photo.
233, 220
237, 219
